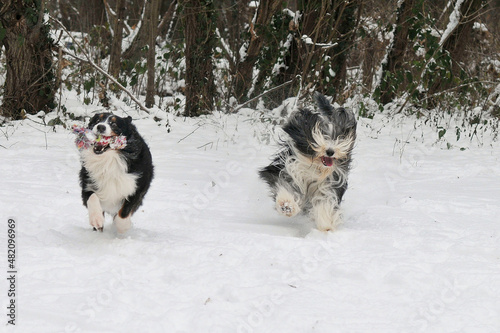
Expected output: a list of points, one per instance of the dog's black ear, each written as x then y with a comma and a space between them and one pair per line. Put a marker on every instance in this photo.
345, 119
93, 121
323, 104
128, 120
299, 127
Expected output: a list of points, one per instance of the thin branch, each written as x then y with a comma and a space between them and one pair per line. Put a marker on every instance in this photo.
102, 71
197, 128
263, 94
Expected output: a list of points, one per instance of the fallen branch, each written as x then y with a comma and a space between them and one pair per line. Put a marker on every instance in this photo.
102, 71
263, 94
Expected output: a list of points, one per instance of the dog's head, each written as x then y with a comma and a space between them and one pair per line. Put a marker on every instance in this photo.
108, 125
325, 138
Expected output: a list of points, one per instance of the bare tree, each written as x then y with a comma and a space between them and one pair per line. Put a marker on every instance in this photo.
79, 15
323, 39
244, 72
153, 33
30, 82
116, 46
134, 51
456, 39
347, 20
396, 51
199, 19
141, 38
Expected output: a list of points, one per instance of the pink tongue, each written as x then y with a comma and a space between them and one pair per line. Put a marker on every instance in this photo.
327, 161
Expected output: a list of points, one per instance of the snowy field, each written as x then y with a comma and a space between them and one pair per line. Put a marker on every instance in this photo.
419, 250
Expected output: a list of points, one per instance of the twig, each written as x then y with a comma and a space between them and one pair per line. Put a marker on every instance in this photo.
206, 144
197, 128
263, 94
102, 71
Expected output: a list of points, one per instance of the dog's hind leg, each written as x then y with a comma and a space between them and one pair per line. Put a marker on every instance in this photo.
326, 214
96, 215
122, 224
122, 220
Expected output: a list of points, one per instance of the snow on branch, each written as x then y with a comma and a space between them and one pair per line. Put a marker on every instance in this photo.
102, 71
453, 23
309, 41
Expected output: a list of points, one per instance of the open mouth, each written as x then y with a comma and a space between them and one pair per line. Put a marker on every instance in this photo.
327, 161
100, 148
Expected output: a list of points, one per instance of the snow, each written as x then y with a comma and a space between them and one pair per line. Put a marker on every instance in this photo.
419, 250
309, 41
454, 20
284, 49
480, 26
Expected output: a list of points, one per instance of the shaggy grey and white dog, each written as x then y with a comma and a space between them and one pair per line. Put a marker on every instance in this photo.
309, 173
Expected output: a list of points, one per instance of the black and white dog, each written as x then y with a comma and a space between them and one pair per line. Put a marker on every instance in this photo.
309, 173
115, 181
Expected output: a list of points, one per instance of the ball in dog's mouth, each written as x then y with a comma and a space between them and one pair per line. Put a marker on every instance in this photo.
102, 144
327, 161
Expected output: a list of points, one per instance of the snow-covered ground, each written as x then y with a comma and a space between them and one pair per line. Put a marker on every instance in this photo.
419, 250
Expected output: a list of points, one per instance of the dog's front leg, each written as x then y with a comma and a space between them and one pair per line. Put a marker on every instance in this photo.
287, 203
327, 215
96, 215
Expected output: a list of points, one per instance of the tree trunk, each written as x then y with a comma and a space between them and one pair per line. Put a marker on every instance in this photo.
455, 43
116, 46
396, 51
347, 19
244, 72
199, 29
80, 15
30, 82
153, 31
321, 45
134, 52
168, 18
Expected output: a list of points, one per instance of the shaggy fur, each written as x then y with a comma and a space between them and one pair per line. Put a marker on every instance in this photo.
309, 173
115, 181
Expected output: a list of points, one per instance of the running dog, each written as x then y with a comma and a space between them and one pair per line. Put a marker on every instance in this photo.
114, 177
309, 173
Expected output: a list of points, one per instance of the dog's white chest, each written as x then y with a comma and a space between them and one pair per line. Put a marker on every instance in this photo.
305, 175
111, 181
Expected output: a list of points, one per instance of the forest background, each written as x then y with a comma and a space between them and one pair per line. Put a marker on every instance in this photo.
191, 57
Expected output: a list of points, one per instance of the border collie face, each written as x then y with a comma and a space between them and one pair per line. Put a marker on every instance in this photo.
108, 125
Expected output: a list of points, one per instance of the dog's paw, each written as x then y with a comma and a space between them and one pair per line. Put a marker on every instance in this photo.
287, 207
97, 221
286, 204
